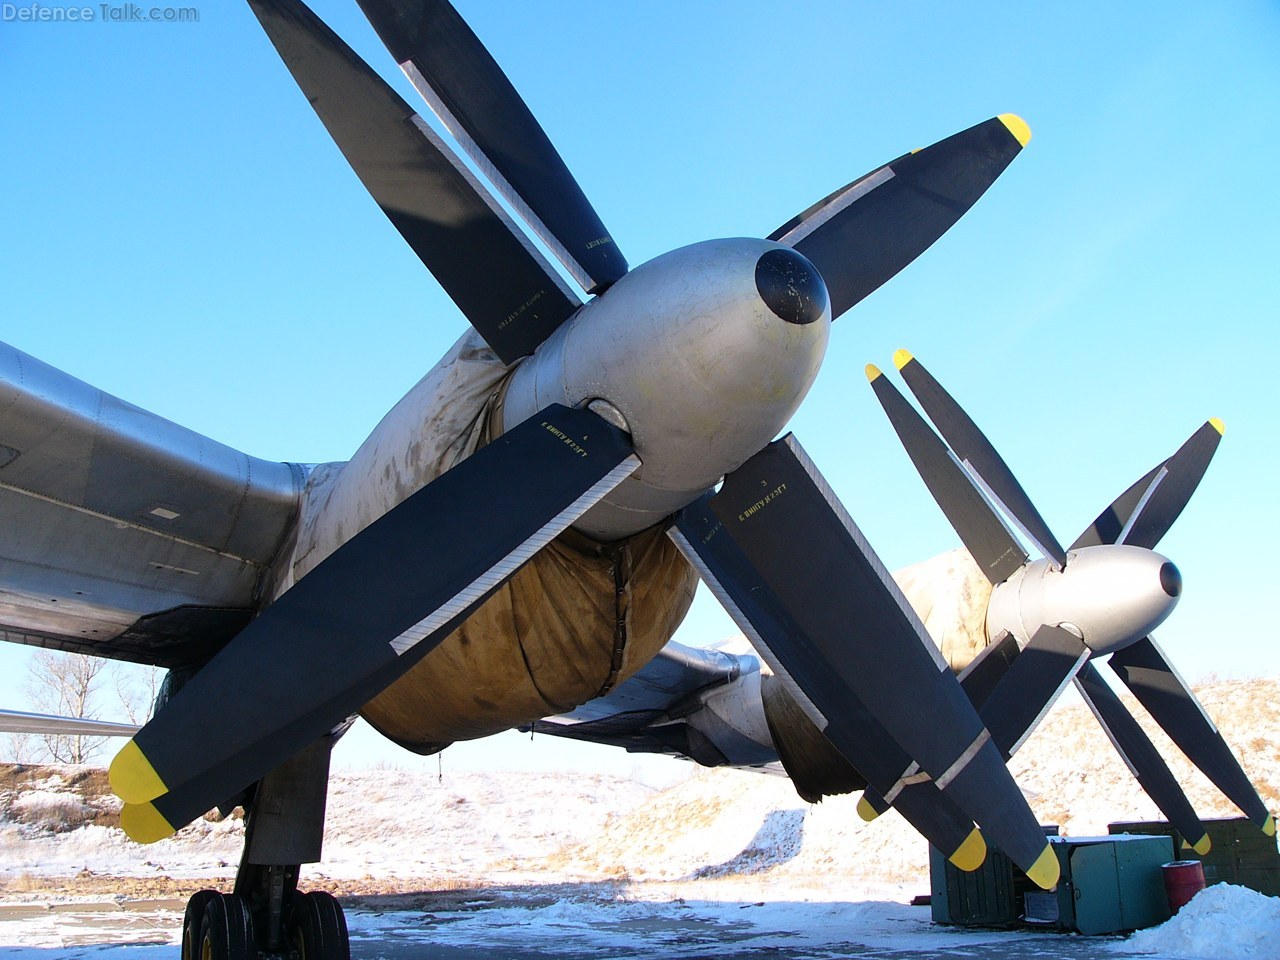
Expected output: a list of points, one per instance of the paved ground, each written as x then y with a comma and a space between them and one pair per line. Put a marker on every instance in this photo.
533, 925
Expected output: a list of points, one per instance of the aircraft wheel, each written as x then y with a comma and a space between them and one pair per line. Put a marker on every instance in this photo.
191, 921
226, 930
319, 929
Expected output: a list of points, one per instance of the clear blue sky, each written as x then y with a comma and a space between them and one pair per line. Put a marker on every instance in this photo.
176, 228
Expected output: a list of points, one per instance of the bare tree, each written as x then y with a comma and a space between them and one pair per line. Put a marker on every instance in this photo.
64, 684
19, 748
136, 687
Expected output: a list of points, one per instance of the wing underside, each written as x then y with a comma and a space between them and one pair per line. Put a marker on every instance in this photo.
127, 536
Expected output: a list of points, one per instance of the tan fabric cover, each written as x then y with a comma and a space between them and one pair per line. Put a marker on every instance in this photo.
949, 594
546, 642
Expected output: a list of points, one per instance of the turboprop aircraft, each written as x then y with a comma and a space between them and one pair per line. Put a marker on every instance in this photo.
515, 543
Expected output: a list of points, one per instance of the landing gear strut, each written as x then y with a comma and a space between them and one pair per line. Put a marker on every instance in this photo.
266, 915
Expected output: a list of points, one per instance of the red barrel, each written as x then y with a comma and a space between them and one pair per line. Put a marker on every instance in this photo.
1183, 879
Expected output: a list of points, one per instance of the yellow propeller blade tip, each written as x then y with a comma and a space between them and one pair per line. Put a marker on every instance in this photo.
970, 854
873, 373
1203, 845
143, 823
1269, 828
866, 811
1017, 126
1044, 873
901, 358
132, 777
1218, 425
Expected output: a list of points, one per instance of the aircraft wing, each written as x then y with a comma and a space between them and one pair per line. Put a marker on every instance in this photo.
691, 702
126, 535
18, 721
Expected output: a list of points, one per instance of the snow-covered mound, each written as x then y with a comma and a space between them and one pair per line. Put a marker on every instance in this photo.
1220, 921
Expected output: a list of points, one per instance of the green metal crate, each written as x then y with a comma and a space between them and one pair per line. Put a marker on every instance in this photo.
983, 898
1240, 854
1108, 884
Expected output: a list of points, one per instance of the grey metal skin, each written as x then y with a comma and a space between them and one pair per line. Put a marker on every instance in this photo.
701, 370
1108, 595
18, 721
116, 514
113, 513
714, 691
732, 718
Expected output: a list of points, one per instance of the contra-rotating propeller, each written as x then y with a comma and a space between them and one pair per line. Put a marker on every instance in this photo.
394, 589
1133, 523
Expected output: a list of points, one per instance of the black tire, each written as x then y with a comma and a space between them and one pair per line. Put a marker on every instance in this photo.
317, 927
226, 932
191, 921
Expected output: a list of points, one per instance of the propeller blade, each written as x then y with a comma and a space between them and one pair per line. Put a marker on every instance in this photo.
983, 674
1027, 686
1032, 685
1141, 757
978, 680
1143, 514
785, 545
972, 447
371, 610
864, 233
1147, 673
993, 548
471, 95
873, 753
504, 287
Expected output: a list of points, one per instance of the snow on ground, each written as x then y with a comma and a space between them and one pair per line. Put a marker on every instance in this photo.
653, 922
606, 857
1221, 921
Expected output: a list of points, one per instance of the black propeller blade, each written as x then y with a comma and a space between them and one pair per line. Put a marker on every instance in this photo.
987, 539
866, 232
368, 613
873, 752
511, 295
978, 680
473, 98
1028, 686
1141, 757
784, 544
1144, 513
1141, 516
972, 446
1032, 685
1146, 671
